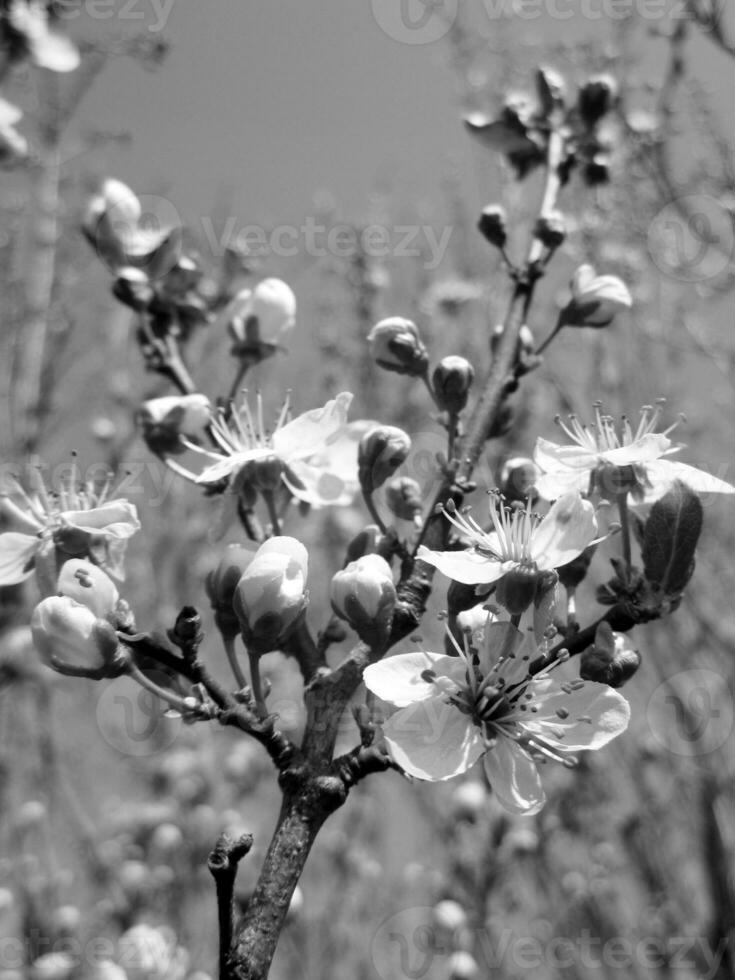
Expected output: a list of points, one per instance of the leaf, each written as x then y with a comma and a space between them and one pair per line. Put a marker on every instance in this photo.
670, 538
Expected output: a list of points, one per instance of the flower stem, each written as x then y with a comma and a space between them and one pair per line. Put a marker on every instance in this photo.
229, 645
173, 700
270, 502
255, 684
625, 527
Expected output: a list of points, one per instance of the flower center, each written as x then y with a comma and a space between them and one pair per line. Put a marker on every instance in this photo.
513, 531
242, 431
603, 435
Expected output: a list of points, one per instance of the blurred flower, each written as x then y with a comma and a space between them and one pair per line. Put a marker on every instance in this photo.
28, 35
493, 225
315, 454
604, 455
146, 953
405, 499
454, 710
53, 966
112, 226
263, 316
13, 146
395, 344
165, 420
520, 541
610, 660
76, 521
364, 595
595, 299
518, 478
462, 966
271, 595
452, 378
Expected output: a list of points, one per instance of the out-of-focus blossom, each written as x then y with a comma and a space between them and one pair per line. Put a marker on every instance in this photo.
28, 35
314, 455
264, 315
148, 953
456, 709
76, 522
395, 344
606, 456
596, 300
164, 420
13, 146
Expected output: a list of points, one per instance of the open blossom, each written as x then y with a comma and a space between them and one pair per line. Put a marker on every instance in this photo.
314, 455
602, 450
27, 24
79, 522
520, 541
455, 710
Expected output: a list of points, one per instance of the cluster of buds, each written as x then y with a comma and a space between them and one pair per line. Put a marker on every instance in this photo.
520, 132
74, 631
270, 597
363, 594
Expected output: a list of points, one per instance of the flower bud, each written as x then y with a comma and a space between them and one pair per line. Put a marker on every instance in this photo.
595, 299
469, 800
609, 660
262, 316
453, 377
367, 542
462, 966
551, 229
596, 98
364, 595
493, 225
221, 584
517, 479
53, 966
403, 496
89, 586
380, 452
270, 596
133, 288
395, 345
72, 640
472, 622
165, 420
449, 915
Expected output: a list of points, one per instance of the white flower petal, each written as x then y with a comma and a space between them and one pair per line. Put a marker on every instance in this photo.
660, 474
564, 533
551, 486
550, 456
650, 446
398, 679
513, 777
467, 567
319, 486
306, 434
433, 740
114, 519
595, 714
16, 553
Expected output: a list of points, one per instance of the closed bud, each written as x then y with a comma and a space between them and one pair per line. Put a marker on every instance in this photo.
462, 966
364, 595
449, 915
551, 229
261, 317
609, 660
53, 966
596, 98
595, 299
88, 585
133, 288
395, 345
517, 480
164, 420
72, 640
380, 452
493, 225
221, 584
270, 596
403, 497
367, 542
453, 377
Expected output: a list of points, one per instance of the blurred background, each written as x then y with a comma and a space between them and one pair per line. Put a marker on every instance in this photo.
276, 134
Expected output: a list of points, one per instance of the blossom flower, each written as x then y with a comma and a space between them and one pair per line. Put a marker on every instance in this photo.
595, 299
455, 710
28, 26
263, 315
520, 541
602, 446
76, 521
13, 146
314, 455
